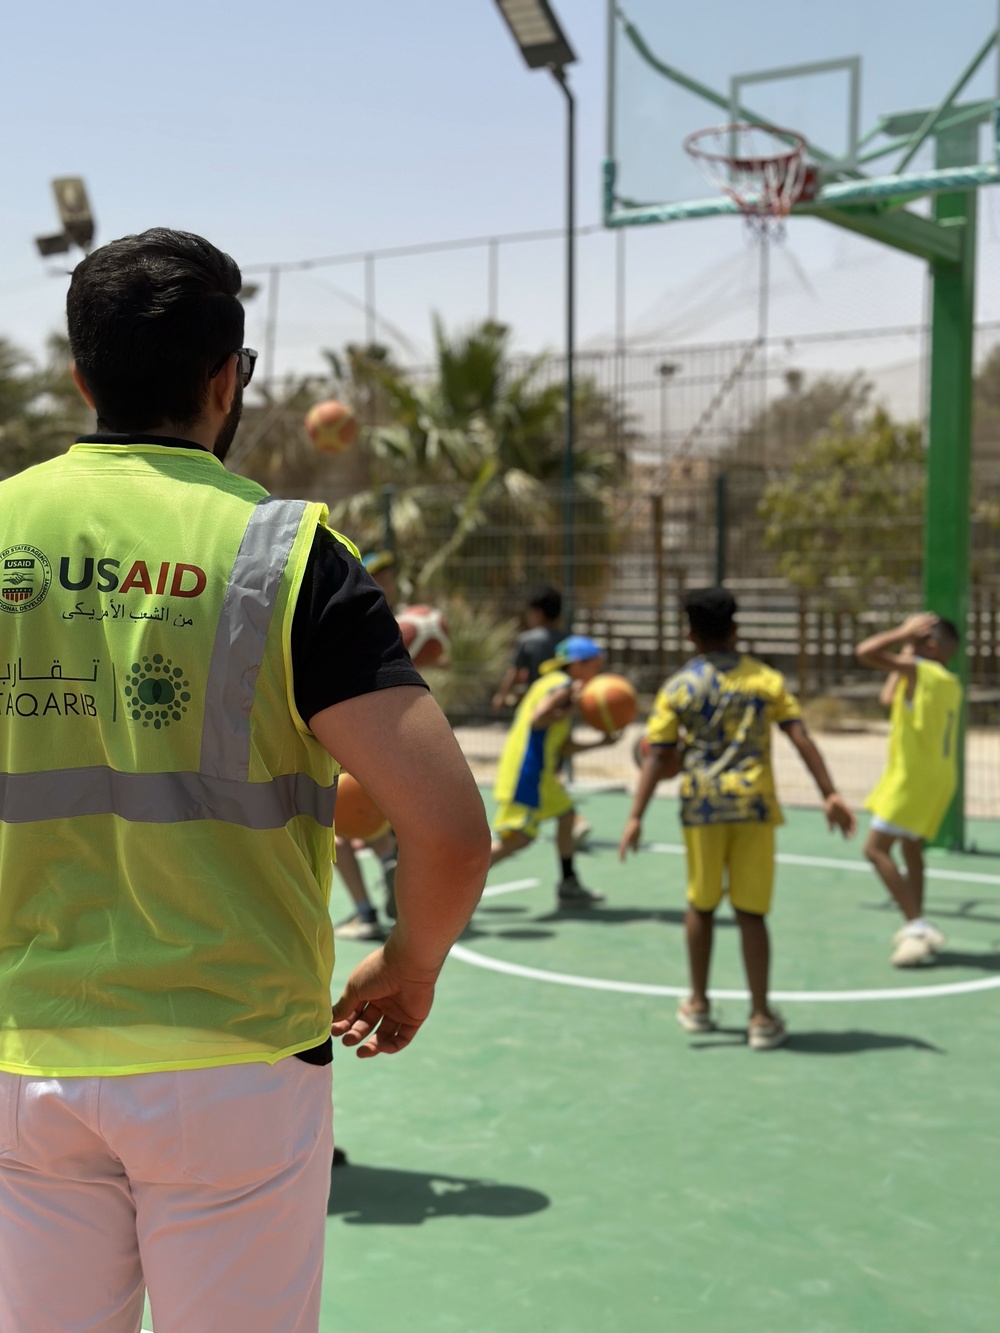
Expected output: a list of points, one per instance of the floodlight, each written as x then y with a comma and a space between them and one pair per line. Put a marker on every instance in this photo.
537, 32
74, 210
53, 245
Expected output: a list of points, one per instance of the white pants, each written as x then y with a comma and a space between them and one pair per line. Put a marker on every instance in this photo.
207, 1186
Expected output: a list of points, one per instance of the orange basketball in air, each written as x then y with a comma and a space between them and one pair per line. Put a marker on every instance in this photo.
608, 702
357, 815
331, 426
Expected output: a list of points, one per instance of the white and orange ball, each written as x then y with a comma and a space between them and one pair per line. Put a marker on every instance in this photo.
608, 702
425, 635
331, 426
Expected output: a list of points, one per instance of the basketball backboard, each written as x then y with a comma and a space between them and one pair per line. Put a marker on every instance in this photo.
897, 99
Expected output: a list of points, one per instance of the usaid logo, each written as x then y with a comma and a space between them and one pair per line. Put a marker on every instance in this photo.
25, 576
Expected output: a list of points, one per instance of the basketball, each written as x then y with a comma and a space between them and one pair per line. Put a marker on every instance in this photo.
331, 426
425, 634
356, 814
608, 703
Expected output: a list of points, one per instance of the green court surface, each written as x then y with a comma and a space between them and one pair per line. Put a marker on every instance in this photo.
554, 1156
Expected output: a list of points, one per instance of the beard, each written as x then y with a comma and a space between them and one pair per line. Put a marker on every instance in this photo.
227, 432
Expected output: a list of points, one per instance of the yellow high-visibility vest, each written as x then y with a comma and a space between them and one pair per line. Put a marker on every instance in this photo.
165, 814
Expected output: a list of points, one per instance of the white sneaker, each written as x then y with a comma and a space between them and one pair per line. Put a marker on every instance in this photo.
356, 928
695, 1020
912, 950
924, 930
766, 1036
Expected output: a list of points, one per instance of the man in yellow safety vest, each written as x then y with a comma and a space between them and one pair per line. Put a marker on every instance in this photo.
186, 661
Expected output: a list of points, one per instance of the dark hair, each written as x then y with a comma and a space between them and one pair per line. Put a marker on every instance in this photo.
945, 634
548, 601
710, 612
150, 317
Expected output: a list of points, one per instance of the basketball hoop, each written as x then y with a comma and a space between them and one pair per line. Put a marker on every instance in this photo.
761, 168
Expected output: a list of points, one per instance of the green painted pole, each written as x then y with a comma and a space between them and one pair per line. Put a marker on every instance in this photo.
949, 437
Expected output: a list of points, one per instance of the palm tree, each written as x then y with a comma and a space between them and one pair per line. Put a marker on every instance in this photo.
474, 452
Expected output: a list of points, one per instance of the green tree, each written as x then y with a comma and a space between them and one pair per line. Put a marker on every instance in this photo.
847, 517
41, 411
777, 433
474, 453
986, 409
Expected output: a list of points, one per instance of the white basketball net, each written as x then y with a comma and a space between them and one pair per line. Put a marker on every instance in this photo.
762, 168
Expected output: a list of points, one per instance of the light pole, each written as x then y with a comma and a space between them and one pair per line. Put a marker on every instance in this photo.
666, 371
544, 45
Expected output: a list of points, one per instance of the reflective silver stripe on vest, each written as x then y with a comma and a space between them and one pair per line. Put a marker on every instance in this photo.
241, 638
162, 798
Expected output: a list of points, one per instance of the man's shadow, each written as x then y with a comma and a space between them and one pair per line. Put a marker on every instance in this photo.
385, 1196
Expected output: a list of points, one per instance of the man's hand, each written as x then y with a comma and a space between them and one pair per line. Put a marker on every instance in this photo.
630, 837
839, 815
383, 1004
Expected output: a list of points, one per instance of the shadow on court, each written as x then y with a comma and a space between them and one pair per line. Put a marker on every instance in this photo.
852, 1042
619, 916
969, 910
983, 962
525, 932
384, 1196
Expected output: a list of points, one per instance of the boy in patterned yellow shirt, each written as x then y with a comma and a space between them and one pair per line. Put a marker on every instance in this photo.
712, 722
912, 796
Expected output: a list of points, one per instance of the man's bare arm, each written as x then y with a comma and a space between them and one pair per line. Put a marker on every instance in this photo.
399, 746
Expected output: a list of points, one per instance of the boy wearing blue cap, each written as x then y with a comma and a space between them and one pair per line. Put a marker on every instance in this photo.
528, 787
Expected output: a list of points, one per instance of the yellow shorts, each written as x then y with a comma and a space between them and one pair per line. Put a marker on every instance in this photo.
745, 852
513, 818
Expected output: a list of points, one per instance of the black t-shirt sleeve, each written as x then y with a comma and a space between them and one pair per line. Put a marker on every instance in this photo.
345, 640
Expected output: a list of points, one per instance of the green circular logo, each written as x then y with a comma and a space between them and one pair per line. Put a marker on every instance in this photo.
25, 577
156, 692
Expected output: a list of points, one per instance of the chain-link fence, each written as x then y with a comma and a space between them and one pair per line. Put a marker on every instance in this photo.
720, 481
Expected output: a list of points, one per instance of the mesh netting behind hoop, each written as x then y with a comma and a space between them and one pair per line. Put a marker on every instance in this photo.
762, 168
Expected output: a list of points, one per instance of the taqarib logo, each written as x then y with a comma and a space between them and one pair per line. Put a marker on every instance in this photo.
25, 577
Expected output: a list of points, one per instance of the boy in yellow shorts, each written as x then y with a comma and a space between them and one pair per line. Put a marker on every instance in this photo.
913, 794
712, 723
528, 788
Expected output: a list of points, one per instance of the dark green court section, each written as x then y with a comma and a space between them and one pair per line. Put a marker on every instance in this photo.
553, 1158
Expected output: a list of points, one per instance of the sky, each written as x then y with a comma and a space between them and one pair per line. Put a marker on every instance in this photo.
311, 129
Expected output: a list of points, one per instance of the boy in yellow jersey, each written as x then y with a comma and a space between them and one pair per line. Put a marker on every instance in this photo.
712, 723
913, 794
528, 788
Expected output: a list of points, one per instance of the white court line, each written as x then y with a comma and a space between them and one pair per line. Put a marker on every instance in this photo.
475, 959
834, 863
510, 887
